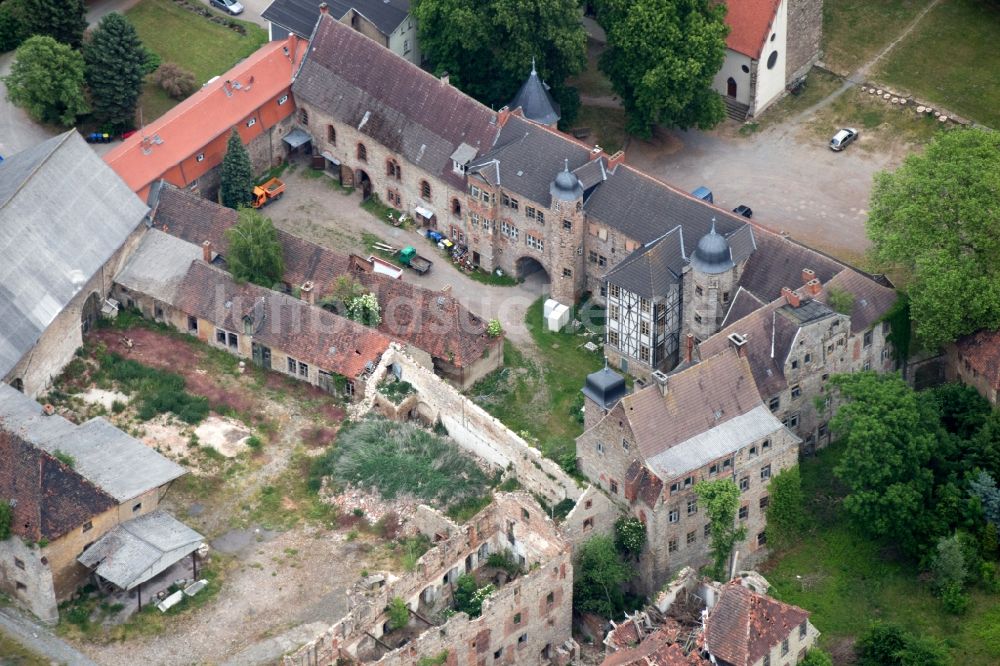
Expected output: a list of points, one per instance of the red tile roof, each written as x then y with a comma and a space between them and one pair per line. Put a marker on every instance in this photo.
743, 625
749, 24
659, 649
306, 332
982, 351
220, 105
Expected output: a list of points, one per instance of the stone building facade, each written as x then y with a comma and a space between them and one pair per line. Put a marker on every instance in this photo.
649, 449
975, 360
526, 621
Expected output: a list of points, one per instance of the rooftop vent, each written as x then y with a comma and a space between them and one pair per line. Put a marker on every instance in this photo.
660, 378
737, 341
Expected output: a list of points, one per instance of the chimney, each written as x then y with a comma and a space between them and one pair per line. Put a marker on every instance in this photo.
308, 295
615, 160
48, 409
661, 381
808, 274
690, 348
445, 79
791, 297
324, 8
739, 343
502, 116
814, 286
596, 152
206, 251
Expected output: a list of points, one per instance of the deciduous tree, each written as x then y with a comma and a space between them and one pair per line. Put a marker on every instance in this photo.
721, 501
889, 434
936, 218
598, 577
115, 67
237, 174
254, 251
46, 79
63, 20
786, 516
661, 58
487, 48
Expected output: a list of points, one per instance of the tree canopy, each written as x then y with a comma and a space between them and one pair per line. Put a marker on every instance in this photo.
254, 251
487, 48
63, 20
721, 501
937, 218
46, 80
115, 63
661, 58
598, 576
236, 187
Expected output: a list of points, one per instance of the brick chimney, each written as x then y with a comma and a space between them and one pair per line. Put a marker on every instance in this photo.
814, 286
615, 160
808, 274
596, 152
48, 409
791, 297
502, 115
324, 8
689, 351
308, 293
660, 379
206, 251
738, 342
445, 78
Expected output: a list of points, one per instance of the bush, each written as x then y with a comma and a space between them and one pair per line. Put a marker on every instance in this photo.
504, 561
889, 645
494, 329
151, 61
176, 81
598, 576
117, 407
6, 518
399, 614
630, 535
954, 599
469, 597
786, 517
816, 657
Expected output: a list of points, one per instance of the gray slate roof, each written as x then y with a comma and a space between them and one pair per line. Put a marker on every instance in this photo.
137, 550
651, 270
300, 16
535, 100
118, 464
63, 214
412, 113
158, 265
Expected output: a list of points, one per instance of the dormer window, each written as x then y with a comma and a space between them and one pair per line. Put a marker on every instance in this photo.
457, 167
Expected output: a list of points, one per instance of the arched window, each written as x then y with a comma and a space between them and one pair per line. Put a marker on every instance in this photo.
304, 116
392, 169
425, 190
331, 134
456, 208
362, 152
18, 384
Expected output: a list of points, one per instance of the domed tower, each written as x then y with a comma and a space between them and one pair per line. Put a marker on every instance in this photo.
709, 284
565, 237
535, 101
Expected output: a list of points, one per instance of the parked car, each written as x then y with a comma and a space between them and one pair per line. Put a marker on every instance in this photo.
704, 194
842, 138
229, 6
745, 211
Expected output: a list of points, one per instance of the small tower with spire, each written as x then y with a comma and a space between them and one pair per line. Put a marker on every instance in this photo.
565, 235
709, 285
535, 100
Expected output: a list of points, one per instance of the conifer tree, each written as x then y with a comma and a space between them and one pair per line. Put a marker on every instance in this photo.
114, 60
237, 174
62, 20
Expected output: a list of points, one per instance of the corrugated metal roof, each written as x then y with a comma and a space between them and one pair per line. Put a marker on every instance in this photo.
725, 438
63, 214
118, 464
158, 265
137, 550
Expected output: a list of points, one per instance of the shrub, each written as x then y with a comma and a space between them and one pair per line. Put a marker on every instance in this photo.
469, 597
65, 458
889, 645
785, 516
151, 61
176, 81
494, 329
399, 614
598, 576
954, 599
630, 535
816, 657
840, 300
117, 407
504, 561
6, 518
255, 443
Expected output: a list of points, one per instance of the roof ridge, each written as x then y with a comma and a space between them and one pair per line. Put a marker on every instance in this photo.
31, 174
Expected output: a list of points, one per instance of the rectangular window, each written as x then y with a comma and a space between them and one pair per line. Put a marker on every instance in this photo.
534, 243
698, 291
744, 512
136, 508
517, 618
644, 304
727, 463
714, 469
691, 537
795, 364
613, 338
767, 660
765, 446
745, 484
753, 452
807, 358
868, 338
220, 336
567, 225
192, 324
602, 260
765, 472
644, 354
567, 273
600, 447
692, 505
672, 546
509, 230
592, 257
614, 486
474, 191
87, 526
523, 638
644, 328
303, 370
673, 516
674, 487
764, 501
803, 628
234, 340
796, 391
529, 212
708, 530
784, 647
613, 312
293, 365
761, 538
774, 403
688, 482
614, 291
625, 444
541, 217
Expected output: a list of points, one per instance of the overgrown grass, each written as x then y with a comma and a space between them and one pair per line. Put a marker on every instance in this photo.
847, 581
400, 458
291, 499
493, 279
191, 41
819, 84
542, 399
607, 126
396, 390
952, 59
881, 124
158, 391
855, 30
13, 653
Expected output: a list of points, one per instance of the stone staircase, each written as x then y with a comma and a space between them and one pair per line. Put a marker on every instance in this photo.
735, 110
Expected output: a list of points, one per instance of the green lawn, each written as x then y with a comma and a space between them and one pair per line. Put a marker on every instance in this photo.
541, 398
847, 582
952, 59
192, 41
855, 30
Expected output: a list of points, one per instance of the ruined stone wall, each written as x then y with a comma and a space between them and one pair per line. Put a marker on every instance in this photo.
594, 515
805, 35
60, 340
26, 577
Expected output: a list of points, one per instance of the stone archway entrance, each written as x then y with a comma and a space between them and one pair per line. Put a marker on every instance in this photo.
731, 87
530, 269
365, 183
91, 311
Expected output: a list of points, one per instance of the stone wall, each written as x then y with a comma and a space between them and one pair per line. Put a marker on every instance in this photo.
26, 577
805, 35
60, 340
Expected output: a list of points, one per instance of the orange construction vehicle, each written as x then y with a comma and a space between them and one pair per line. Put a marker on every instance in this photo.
265, 193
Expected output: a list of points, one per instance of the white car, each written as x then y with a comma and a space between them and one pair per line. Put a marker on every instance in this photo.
842, 138
229, 6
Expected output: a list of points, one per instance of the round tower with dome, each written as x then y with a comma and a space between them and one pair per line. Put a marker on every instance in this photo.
709, 284
565, 236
